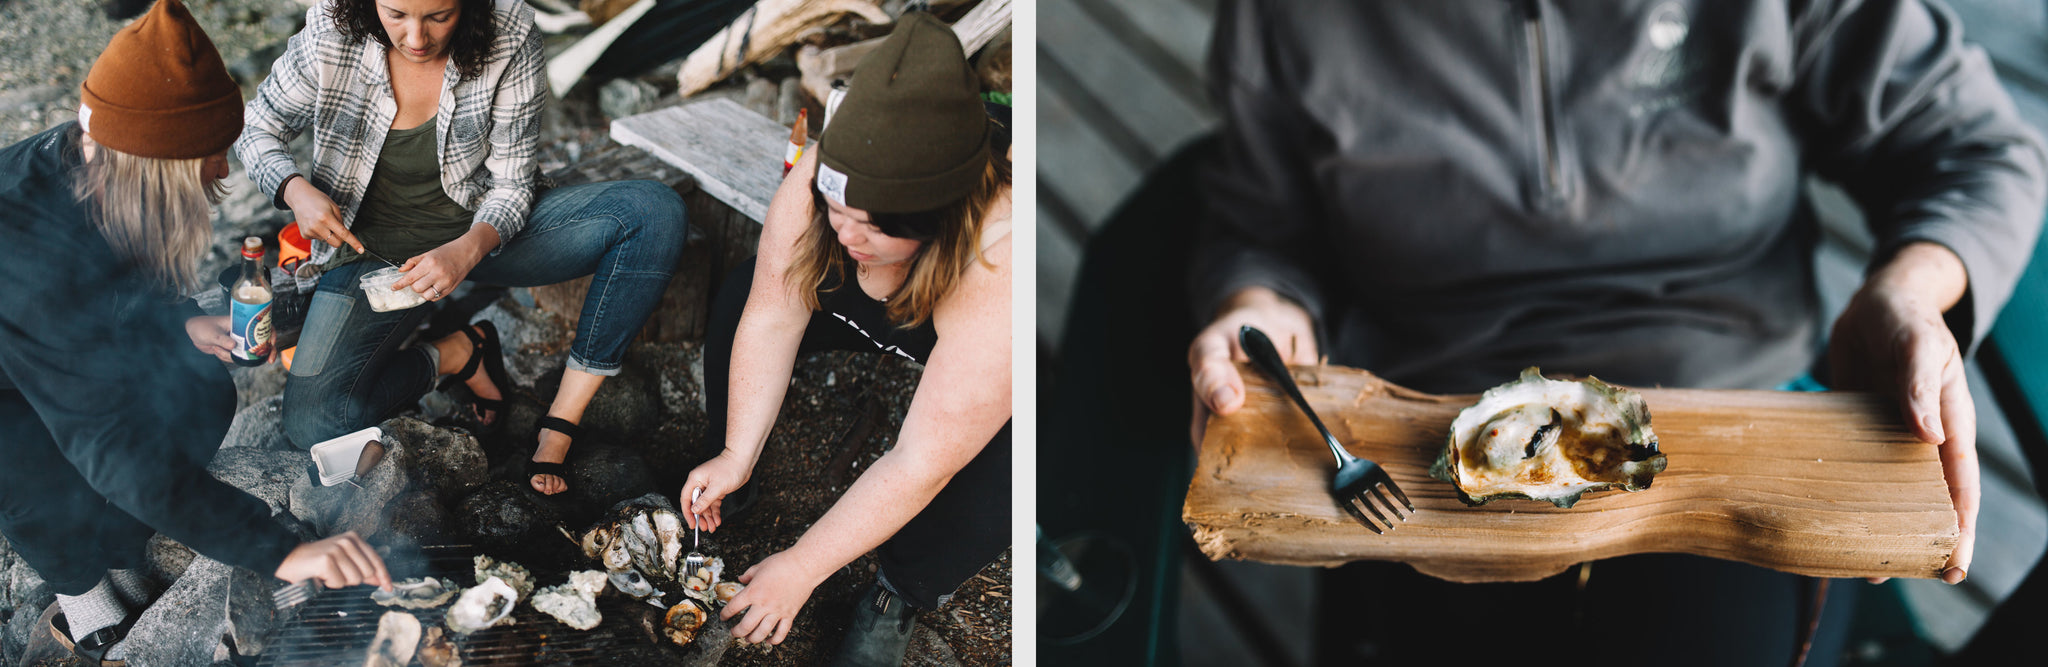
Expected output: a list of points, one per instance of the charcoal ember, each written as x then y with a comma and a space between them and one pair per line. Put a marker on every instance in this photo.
267, 474
603, 473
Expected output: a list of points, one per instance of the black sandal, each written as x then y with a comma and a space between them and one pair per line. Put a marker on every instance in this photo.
561, 470
92, 650
484, 353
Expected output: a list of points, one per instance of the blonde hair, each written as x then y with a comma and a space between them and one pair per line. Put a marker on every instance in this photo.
936, 266
156, 213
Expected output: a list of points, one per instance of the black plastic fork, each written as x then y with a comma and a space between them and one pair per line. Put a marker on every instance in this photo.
1356, 478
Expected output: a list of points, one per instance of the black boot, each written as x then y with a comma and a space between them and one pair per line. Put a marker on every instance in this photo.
880, 632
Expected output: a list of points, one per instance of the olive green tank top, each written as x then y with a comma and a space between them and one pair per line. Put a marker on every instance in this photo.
404, 211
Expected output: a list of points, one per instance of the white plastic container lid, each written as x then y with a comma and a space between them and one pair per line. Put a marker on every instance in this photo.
335, 460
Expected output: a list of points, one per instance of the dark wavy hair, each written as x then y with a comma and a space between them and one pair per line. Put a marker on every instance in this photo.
471, 45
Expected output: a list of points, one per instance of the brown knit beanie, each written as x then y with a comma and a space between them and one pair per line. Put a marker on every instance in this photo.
159, 90
911, 135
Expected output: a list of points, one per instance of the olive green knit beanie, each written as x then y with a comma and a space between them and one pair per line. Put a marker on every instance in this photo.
911, 135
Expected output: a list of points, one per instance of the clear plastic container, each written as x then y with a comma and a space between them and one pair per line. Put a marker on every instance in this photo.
383, 299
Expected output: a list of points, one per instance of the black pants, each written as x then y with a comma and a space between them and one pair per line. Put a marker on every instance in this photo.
1123, 387
964, 528
64, 529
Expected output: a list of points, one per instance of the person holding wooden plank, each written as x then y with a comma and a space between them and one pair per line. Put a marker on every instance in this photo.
108, 414
1619, 194
425, 117
893, 237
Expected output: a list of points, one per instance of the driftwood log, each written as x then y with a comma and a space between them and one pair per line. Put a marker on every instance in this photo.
820, 67
1821, 484
763, 32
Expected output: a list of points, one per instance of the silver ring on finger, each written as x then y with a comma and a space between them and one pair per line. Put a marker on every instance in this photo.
433, 293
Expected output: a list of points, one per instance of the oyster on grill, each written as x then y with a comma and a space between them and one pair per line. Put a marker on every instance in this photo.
701, 584
683, 621
421, 593
1550, 440
398, 635
437, 651
489, 603
725, 591
512, 573
643, 534
573, 603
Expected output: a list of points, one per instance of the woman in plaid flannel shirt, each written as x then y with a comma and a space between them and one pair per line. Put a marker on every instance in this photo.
425, 116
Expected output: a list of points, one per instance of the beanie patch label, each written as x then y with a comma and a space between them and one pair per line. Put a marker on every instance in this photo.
831, 183
85, 118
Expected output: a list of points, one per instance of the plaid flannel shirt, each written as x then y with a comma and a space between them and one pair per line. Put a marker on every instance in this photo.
486, 133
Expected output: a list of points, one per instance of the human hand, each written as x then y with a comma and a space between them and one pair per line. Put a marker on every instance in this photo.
777, 588
1212, 355
436, 272
210, 335
339, 561
1891, 339
317, 215
719, 476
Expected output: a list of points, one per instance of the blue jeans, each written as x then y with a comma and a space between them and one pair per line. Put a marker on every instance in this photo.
349, 373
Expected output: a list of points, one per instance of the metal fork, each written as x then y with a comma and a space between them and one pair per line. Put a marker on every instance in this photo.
1356, 477
292, 595
695, 559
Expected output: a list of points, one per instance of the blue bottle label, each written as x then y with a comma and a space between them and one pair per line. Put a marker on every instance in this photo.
249, 325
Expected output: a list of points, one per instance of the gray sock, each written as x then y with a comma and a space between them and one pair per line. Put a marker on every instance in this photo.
97, 608
135, 588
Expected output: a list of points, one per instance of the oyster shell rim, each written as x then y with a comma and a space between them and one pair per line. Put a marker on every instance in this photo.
1633, 407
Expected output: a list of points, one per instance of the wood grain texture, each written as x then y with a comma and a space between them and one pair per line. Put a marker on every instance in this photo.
1822, 484
733, 154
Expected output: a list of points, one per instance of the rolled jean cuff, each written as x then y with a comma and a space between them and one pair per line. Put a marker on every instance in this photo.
433, 362
605, 370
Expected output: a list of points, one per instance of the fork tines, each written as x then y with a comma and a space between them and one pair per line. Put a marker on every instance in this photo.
1363, 497
294, 594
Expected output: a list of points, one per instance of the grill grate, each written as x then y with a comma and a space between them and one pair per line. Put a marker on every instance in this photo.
336, 627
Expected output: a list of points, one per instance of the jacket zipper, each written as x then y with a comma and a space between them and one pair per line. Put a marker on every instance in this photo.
1532, 28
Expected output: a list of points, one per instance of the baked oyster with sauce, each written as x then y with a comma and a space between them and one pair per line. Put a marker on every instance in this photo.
1550, 440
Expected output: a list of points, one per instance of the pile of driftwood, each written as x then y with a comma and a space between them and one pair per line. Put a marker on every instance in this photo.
825, 37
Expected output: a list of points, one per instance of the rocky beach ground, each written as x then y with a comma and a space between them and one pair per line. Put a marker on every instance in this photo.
646, 425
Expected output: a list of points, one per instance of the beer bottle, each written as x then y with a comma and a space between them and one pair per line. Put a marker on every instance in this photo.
796, 141
249, 304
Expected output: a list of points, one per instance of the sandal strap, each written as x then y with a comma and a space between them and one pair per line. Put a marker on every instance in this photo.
559, 425
93, 648
536, 468
476, 359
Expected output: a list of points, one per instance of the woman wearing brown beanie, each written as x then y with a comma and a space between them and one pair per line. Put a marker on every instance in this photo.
425, 116
107, 418
892, 238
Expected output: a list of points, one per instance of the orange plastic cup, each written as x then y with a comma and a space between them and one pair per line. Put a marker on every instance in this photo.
291, 247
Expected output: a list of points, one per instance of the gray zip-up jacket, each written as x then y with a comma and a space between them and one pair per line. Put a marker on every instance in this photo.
1459, 189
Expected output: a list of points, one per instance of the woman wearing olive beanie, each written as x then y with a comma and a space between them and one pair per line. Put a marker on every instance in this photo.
891, 238
108, 416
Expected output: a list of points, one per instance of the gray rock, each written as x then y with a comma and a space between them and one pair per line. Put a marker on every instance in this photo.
419, 516
185, 626
167, 558
252, 611
20, 586
625, 97
604, 473
267, 474
447, 462
535, 343
442, 463
260, 426
760, 96
513, 520
628, 407
258, 385
788, 99
21, 627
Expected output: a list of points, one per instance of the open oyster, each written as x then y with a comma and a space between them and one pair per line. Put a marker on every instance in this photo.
1550, 440
682, 622
489, 603
573, 603
420, 593
514, 574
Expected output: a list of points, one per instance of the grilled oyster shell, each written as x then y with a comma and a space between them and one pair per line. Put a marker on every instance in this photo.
1550, 440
